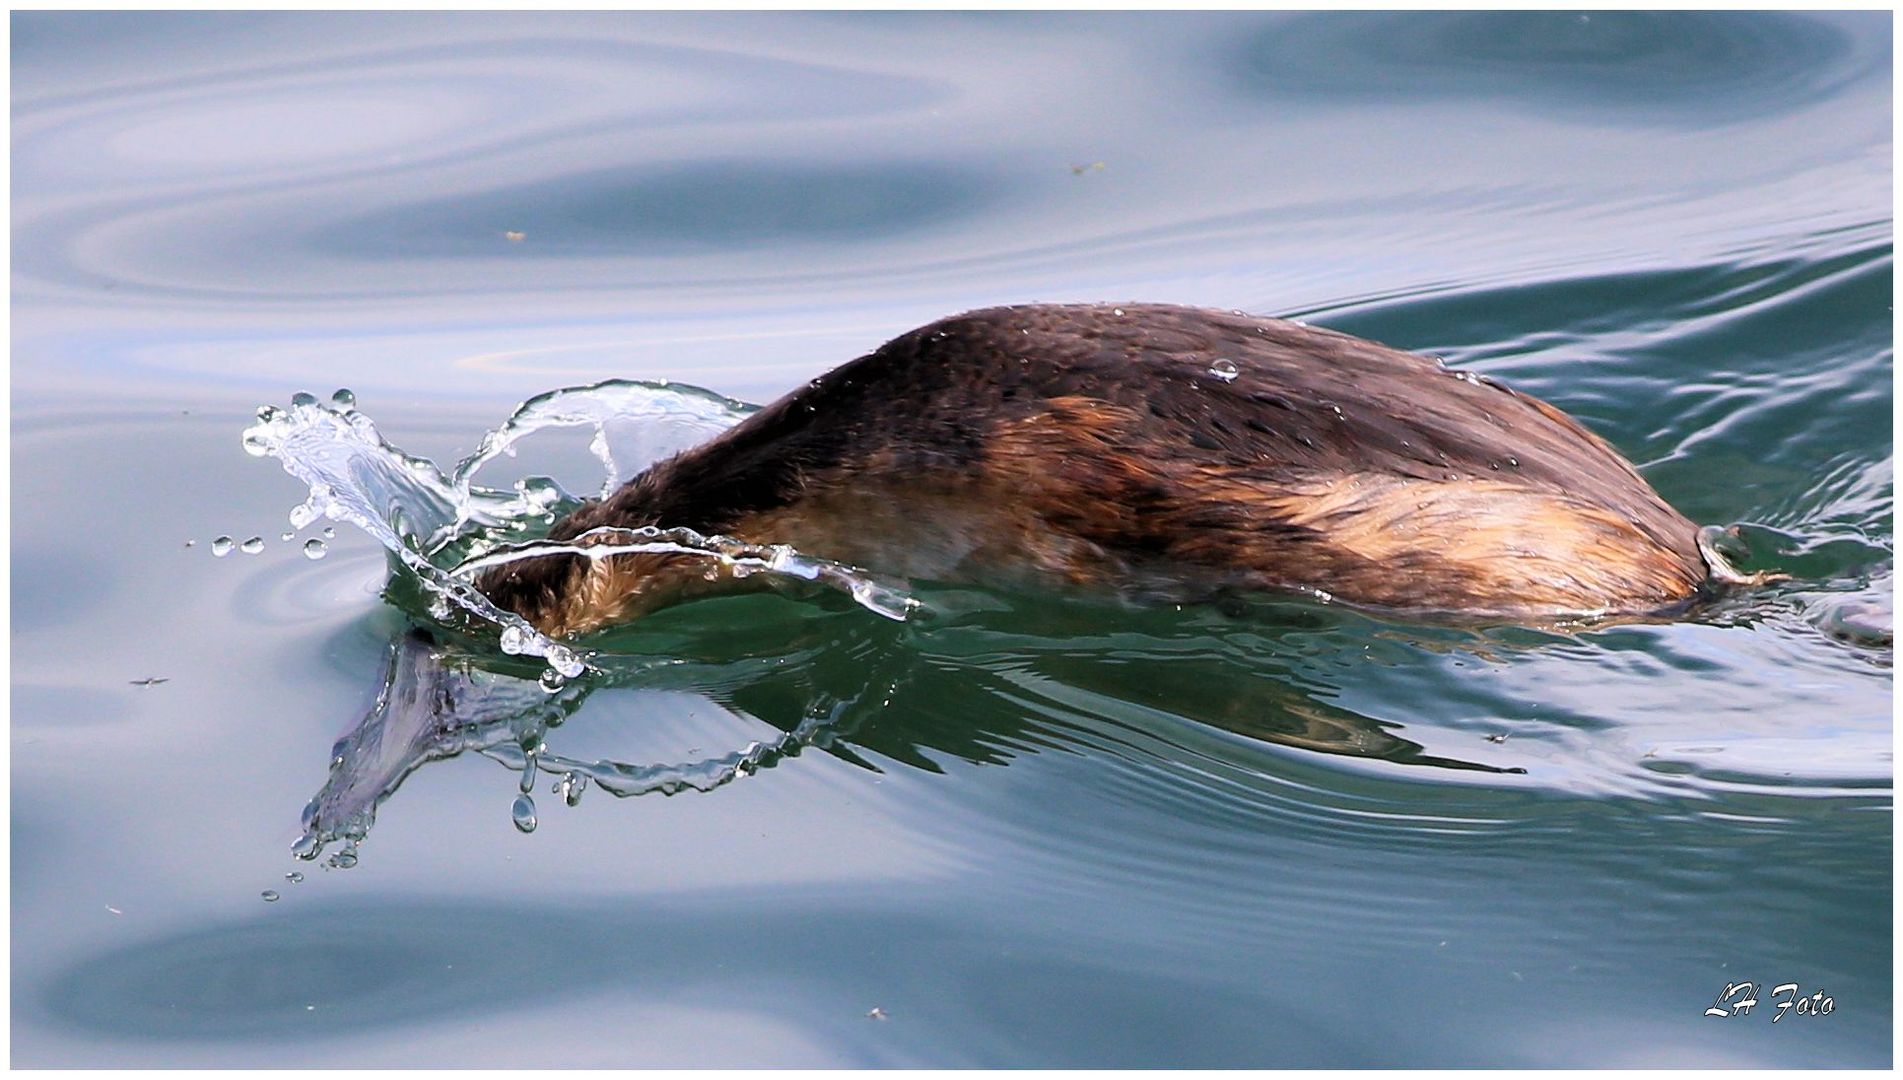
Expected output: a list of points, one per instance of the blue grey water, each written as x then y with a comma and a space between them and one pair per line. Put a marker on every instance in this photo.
1054, 833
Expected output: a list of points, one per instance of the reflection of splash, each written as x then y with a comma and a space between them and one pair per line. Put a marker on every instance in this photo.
433, 704
426, 710
821, 687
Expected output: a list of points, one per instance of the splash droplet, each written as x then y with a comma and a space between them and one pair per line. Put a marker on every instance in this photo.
563, 660
344, 399
528, 774
552, 680
294, 877
314, 549
539, 492
523, 813
270, 896
514, 640
1225, 370
570, 786
252, 546
287, 536
303, 399
221, 547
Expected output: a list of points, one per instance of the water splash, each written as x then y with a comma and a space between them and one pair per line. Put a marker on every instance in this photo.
737, 556
652, 421
442, 528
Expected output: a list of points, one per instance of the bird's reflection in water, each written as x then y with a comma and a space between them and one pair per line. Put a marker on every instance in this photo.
983, 688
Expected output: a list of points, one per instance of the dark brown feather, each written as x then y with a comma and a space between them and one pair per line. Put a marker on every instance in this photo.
1109, 446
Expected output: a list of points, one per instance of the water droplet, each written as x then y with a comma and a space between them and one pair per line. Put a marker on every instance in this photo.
1513, 461
1116, 311
1224, 370
570, 786
329, 532
256, 446
1494, 465
514, 640
268, 413
344, 859
252, 546
563, 660
540, 492
552, 680
287, 536
302, 399
270, 895
307, 846
314, 549
221, 547
294, 877
344, 399
523, 813
528, 775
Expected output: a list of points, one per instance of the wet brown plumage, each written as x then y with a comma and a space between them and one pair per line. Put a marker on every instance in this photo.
1113, 447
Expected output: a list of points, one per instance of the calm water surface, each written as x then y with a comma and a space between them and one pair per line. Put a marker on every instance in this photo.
1035, 831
